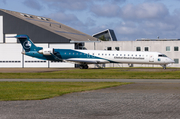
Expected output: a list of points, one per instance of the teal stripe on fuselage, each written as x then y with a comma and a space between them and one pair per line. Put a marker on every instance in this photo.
68, 53
39, 56
65, 54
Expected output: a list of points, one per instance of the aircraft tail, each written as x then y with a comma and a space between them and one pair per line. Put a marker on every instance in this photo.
27, 44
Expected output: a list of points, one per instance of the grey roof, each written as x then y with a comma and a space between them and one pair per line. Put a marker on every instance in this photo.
52, 26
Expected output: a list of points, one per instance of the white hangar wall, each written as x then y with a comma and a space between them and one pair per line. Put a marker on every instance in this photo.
153, 46
10, 55
1, 29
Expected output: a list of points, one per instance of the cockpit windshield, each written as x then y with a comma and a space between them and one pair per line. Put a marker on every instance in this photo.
162, 55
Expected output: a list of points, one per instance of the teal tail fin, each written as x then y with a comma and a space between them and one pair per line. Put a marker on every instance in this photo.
27, 44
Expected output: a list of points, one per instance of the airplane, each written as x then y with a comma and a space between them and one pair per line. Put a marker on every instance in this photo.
85, 57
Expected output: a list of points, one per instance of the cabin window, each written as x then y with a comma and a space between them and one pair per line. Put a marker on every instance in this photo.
113, 54
162, 55
102, 54
76, 53
168, 48
69, 53
176, 61
138, 48
124, 54
176, 48
109, 54
109, 48
117, 48
65, 53
106, 54
132, 55
98, 54
116, 54
128, 54
120, 54
139, 55
146, 48
93, 54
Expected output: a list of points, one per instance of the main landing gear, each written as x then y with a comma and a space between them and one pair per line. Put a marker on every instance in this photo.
164, 66
83, 66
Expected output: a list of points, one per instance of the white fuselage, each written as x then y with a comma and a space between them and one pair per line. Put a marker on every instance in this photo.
130, 57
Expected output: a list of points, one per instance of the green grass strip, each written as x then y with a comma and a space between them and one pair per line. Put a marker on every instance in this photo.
95, 74
10, 91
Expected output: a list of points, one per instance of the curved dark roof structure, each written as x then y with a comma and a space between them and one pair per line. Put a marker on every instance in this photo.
40, 29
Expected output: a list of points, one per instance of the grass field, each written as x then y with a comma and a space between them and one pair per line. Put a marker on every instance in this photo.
115, 73
10, 91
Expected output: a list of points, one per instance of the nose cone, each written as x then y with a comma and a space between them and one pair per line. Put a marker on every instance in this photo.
171, 61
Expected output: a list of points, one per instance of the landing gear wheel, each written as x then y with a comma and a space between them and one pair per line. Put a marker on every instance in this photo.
164, 66
85, 66
81, 67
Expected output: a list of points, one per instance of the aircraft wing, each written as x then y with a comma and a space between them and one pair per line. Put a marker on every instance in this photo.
55, 57
87, 61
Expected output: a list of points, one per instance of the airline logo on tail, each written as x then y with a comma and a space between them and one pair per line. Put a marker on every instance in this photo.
27, 44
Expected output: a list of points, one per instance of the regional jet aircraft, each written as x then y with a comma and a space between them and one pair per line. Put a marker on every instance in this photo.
85, 57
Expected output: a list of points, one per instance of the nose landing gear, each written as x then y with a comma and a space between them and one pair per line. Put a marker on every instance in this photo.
164, 66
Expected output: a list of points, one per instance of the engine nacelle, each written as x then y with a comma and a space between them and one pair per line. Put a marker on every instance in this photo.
46, 51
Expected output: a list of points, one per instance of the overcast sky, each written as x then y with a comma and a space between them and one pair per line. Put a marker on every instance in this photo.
130, 19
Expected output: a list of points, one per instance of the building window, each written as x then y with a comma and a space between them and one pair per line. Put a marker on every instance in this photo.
167, 48
138, 48
117, 48
146, 48
176, 61
176, 48
109, 48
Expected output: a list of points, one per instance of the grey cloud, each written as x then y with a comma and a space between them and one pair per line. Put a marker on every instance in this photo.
106, 10
34, 4
64, 5
130, 11
144, 11
3, 1
71, 5
90, 22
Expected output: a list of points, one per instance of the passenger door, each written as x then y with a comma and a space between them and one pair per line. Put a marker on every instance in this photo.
151, 58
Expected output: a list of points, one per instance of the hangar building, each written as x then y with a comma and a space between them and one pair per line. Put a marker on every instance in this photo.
44, 32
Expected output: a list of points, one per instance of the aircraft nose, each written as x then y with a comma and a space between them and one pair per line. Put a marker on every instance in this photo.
171, 61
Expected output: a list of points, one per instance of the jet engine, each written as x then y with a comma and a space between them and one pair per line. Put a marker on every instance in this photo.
46, 51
